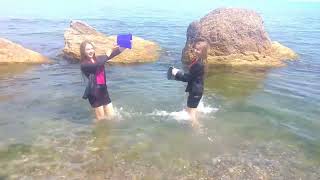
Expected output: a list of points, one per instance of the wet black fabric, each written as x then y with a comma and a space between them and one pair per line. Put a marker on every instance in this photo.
193, 100
97, 94
89, 69
100, 98
89, 91
195, 78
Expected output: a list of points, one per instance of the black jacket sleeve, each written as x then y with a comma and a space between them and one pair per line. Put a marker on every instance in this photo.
90, 68
195, 71
114, 54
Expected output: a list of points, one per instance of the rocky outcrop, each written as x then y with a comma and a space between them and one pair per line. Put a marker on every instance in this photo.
142, 50
14, 53
236, 37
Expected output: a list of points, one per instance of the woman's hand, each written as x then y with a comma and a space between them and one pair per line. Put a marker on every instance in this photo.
112, 50
175, 71
108, 52
117, 47
121, 49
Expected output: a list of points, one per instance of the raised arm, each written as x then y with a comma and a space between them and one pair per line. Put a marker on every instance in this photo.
109, 55
88, 68
115, 52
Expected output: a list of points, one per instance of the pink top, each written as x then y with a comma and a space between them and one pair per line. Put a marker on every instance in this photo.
100, 76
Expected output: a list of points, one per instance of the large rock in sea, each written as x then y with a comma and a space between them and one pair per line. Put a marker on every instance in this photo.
14, 53
142, 50
236, 37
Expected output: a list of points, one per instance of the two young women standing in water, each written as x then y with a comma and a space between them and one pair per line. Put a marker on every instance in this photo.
93, 68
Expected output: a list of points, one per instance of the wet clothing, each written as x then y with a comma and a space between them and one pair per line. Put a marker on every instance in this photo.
96, 91
101, 97
193, 100
195, 79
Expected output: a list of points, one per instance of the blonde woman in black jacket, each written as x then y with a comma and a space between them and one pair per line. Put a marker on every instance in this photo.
195, 78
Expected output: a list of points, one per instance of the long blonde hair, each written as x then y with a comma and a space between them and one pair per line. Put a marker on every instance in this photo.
204, 45
83, 55
83, 45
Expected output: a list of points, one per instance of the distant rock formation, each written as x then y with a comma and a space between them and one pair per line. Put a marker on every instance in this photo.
14, 53
142, 50
236, 37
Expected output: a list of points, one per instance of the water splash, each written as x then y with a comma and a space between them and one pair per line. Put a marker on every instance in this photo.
206, 109
177, 115
183, 114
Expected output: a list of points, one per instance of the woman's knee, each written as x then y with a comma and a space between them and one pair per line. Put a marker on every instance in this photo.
100, 114
109, 109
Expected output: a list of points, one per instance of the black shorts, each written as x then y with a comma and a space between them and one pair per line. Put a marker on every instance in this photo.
193, 100
101, 98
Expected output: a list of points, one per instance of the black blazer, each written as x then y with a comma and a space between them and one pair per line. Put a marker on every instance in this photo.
87, 67
195, 78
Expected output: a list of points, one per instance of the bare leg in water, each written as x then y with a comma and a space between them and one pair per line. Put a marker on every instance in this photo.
104, 112
109, 111
193, 116
99, 112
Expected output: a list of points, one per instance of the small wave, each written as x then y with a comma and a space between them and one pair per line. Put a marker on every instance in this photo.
179, 115
47, 66
183, 115
122, 113
118, 113
206, 109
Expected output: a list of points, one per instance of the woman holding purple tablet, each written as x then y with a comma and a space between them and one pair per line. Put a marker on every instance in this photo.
93, 68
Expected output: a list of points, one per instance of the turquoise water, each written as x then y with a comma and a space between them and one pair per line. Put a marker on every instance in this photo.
256, 123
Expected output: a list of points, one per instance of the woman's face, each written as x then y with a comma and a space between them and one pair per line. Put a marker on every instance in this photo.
198, 49
89, 51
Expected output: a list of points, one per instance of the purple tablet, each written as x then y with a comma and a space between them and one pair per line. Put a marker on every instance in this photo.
124, 40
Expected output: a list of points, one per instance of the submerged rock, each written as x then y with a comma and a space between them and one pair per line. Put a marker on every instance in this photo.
142, 50
236, 37
11, 52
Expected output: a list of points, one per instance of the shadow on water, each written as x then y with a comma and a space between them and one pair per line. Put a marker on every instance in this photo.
7, 70
5, 97
13, 151
235, 82
10, 153
101, 135
3, 177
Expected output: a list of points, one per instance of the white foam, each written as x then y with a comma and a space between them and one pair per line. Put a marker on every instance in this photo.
183, 115
203, 109
47, 66
118, 112
179, 115
206, 109
122, 113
